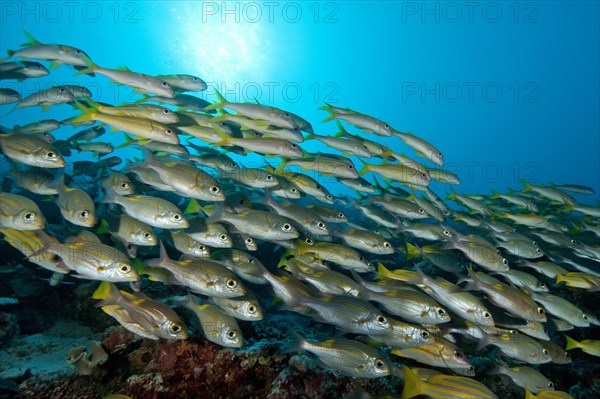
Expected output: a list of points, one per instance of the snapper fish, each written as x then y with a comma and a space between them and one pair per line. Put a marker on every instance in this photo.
140, 314
350, 357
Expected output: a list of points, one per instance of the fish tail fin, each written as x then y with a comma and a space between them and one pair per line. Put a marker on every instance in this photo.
193, 207
107, 293
32, 40
280, 167
329, 118
296, 343
382, 272
128, 141
412, 251
214, 212
90, 67
495, 194
162, 260
527, 186
571, 343
560, 278
413, 386
103, 229
87, 113
225, 139
366, 169
219, 104
110, 197
343, 132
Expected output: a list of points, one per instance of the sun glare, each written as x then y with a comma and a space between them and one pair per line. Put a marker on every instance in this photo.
222, 49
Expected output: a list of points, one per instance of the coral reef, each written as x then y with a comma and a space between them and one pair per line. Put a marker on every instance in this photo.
8, 327
85, 362
196, 368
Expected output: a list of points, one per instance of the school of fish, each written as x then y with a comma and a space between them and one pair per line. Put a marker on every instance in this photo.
400, 272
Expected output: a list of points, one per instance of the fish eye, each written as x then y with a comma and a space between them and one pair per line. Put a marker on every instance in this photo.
125, 269
250, 260
329, 196
50, 154
446, 233
498, 251
545, 330
361, 258
545, 351
538, 250
439, 154
350, 167
83, 214
542, 285
387, 244
175, 328
286, 114
441, 311
424, 334
471, 368
56, 258
341, 215
585, 317
294, 190
231, 334
512, 331
320, 225
386, 126
294, 146
458, 355
249, 240
309, 241
381, 319
61, 90
269, 177
124, 185
231, 283
573, 241
534, 243
287, 227
421, 210
168, 131
318, 187
147, 235
28, 216
540, 310
504, 261
380, 364
166, 111
176, 217
223, 237
214, 189
164, 84
78, 51
550, 384
202, 248
251, 309
487, 315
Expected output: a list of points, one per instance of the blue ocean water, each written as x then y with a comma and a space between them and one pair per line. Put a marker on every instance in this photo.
507, 90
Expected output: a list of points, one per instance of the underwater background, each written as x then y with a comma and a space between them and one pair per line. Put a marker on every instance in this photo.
508, 91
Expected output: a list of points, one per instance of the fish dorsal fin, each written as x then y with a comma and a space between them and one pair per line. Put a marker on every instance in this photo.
32, 40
